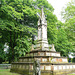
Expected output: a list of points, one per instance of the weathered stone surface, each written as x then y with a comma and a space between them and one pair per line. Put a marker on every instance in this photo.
42, 33
53, 49
46, 68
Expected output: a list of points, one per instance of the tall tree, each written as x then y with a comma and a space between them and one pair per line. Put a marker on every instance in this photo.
69, 11
11, 28
62, 45
18, 23
69, 17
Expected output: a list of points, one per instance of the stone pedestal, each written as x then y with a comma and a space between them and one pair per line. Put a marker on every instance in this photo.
51, 63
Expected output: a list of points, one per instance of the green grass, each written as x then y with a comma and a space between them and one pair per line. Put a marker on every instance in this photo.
7, 72
71, 74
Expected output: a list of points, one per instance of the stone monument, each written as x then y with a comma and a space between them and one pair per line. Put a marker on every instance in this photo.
42, 33
51, 63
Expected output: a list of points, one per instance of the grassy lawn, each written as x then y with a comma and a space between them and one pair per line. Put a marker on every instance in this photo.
71, 74
7, 72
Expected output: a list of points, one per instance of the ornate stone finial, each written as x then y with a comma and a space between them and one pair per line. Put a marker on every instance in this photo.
42, 19
42, 14
53, 49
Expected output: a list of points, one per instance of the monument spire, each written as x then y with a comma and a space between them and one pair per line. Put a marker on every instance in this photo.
42, 32
42, 18
42, 14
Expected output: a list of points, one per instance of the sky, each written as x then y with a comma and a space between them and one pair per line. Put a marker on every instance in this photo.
58, 6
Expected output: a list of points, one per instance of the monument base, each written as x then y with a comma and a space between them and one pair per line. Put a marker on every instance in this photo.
46, 68
51, 63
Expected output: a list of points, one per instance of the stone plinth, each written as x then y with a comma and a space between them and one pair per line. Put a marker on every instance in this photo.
51, 63
46, 68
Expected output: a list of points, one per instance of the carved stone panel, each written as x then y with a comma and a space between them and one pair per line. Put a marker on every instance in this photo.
64, 67
48, 67
55, 67
44, 59
53, 54
60, 67
58, 54
31, 67
48, 54
70, 66
67, 66
42, 67
42, 54
35, 54
64, 60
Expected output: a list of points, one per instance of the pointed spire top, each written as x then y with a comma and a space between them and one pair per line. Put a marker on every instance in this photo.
42, 19
42, 14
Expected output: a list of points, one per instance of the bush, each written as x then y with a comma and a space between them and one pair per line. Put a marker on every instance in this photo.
73, 60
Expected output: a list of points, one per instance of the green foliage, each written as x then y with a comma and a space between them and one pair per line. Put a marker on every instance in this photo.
70, 29
69, 16
63, 45
18, 22
73, 60
2, 53
69, 11
23, 46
